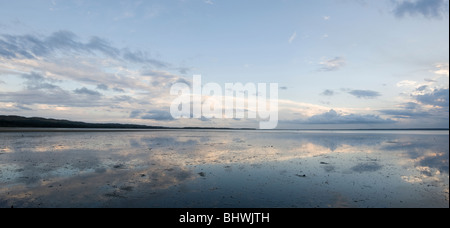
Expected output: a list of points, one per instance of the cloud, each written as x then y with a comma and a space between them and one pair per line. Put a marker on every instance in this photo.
135, 113
367, 94
326, 18
102, 87
142, 57
405, 113
35, 81
333, 64
50, 97
163, 79
283, 87
124, 98
332, 117
50, 65
85, 91
118, 90
422, 88
406, 83
429, 109
63, 75
442, 69
427, 8
210, 2
32, 47
183, 70
292, 37
437, 98
157, 115
327, 93
14, 108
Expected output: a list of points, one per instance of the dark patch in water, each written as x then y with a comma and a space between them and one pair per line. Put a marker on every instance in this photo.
126, 188
367, 167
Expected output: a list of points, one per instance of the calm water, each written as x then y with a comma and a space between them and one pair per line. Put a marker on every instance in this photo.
225, 169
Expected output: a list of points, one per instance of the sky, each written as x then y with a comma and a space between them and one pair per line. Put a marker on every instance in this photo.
339, 63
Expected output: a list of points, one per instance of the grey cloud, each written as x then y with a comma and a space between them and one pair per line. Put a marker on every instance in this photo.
102, 87
124, 98
82, 97
182, 80
35, 81
283, 87
11, 46
332, 117
58, 40
16, 108
30, 97
21, 107
56, 96
183, 70
422, 88
119, 90
163, 79
158, 115
142, 57
135, 113
368, 94
405, 113
426, 8
410, 105
103, 46
85, 91
439, 98
31, 47
418, 110
327, 93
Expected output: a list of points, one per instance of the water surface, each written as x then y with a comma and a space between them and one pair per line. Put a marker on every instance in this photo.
213, 168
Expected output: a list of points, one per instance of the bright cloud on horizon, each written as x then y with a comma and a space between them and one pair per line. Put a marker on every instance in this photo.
118, 61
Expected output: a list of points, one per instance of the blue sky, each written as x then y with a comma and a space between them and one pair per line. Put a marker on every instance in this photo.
339, 64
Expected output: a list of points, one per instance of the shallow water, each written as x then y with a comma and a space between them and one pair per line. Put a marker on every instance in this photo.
212, 168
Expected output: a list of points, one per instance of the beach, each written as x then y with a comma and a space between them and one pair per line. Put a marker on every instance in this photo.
223, 169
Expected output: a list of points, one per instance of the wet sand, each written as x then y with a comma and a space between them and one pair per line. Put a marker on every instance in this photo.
198, 168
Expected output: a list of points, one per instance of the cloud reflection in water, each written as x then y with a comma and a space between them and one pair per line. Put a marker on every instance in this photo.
224, 169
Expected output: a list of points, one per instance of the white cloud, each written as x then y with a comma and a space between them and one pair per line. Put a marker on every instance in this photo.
442, 69
333, 64
292, 38
407, 83
326, 18
62, 77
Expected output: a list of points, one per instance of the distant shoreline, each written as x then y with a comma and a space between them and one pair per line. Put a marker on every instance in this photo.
20, 129
37, 124
93, 130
